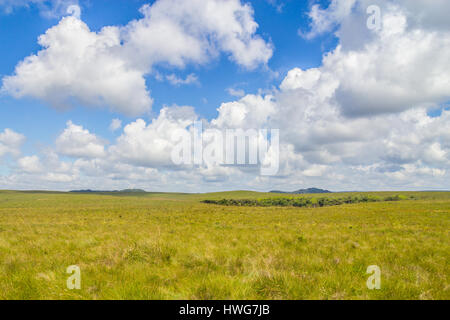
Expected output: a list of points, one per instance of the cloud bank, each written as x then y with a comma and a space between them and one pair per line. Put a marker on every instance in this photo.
108, 68
360, 121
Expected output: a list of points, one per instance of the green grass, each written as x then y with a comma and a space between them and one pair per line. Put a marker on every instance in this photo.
173, 246
305, 201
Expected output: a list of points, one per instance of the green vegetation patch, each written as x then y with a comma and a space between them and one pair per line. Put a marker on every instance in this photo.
305, 202
173, 246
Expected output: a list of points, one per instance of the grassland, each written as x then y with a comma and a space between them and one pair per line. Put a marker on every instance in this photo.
173, 246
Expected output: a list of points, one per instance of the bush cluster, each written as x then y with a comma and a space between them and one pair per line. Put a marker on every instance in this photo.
303, 202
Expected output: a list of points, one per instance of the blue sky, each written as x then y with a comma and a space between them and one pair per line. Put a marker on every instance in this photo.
20, 29
279, 22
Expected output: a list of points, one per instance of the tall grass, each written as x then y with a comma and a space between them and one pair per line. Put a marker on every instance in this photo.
168, 246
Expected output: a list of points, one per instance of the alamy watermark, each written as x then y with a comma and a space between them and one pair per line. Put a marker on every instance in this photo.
374, 281
74, 281
374, 20
229, 147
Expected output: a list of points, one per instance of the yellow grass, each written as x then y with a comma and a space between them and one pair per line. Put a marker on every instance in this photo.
172, 246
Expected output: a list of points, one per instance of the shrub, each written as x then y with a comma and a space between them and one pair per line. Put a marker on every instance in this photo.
392, 198
303, 202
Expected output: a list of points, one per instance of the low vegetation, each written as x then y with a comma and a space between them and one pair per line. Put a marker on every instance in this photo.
305, 202
173, 246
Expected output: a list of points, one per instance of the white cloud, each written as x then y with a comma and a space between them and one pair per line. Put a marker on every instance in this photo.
236, 92
150, 145
198, 30
277, 4
58, 177
107, 68
297, 78
74, 10
176, 81
31, 164
10, 142
75, 141
403, 65
322, 157
79, 64
48, 8
250, 112
358, 122
324, 20
315, 170
115, 124
399, 70
436, 154
422, 14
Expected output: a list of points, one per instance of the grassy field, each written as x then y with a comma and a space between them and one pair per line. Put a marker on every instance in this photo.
173, 246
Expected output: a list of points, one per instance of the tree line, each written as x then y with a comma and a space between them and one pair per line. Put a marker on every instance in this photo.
304, 202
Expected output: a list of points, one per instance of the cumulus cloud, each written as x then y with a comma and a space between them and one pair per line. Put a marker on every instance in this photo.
115, 124
236, 92
31, 164
363, 115
79, 64
250, 112
176, 81
358, 122
341, 15
402, 65
10, 142
48, 8
198, 30
277, 4
75, 141
399, 70
150, 145
108, 68
412, 153
324, 20
323, 135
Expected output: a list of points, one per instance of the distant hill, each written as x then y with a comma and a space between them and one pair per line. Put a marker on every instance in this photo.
304, 191
133, 190
99, 191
